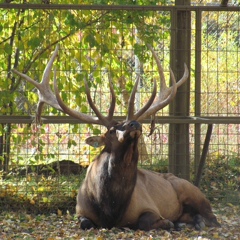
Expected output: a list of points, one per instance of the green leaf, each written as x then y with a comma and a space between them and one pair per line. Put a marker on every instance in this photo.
84, 109
34, 42
71, 143
96, 131
91, 40
70, 20
104, 49
7, 48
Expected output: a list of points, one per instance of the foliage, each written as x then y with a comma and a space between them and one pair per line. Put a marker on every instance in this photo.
219, 90
26, 44
221, 178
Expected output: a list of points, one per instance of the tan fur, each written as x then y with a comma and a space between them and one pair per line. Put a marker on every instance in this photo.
155, 194
162, 194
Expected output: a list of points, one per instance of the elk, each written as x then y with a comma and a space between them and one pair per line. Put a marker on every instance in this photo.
115, 192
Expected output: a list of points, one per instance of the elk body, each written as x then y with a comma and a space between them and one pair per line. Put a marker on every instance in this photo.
115, 193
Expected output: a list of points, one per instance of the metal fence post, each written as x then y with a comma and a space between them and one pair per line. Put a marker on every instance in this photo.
179, 162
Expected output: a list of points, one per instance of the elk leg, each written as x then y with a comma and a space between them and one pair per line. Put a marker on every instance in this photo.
150, 220
199, 213
86, 223
204, 210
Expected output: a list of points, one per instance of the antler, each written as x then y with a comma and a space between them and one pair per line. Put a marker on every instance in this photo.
165, 95
150, 108
47, 96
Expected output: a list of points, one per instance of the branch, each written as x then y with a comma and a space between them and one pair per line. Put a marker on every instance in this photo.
204, 155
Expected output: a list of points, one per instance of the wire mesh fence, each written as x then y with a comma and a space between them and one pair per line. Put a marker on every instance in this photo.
43, 165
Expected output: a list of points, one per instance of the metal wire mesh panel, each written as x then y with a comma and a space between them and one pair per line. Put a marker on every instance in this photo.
220, 90
43, 165
96, 45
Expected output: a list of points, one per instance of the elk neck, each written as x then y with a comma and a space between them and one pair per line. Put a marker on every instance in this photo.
117, 168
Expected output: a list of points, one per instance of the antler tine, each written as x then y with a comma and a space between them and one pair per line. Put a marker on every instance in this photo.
131, 100
148, 104
113, 102
75, 114
27, 78
164, 90
104, 121
48, 68
44, 91
131, 115
184, 77
163, 85
162, 102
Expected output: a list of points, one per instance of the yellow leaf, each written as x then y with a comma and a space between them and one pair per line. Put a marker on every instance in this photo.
215, 235
41, 189
26, 106
45, 199
59, 212
100, 238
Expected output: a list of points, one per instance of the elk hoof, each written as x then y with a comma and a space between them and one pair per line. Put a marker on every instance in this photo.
178, 226
198, 222
85, 223
166, 224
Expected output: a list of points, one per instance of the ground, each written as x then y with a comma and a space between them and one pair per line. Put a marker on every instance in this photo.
20, 225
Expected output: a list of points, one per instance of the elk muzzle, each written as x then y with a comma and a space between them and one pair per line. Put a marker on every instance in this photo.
132, 129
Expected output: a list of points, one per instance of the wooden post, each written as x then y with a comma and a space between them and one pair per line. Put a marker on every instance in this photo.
179, 161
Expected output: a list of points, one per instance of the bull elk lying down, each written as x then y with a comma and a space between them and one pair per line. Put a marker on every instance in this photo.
115, 193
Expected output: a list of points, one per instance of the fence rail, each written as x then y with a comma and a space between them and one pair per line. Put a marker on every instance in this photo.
215, 7
158, 119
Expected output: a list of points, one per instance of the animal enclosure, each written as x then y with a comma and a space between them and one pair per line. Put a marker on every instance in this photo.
43, 164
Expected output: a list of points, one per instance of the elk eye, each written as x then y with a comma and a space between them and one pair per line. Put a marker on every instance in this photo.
112, 130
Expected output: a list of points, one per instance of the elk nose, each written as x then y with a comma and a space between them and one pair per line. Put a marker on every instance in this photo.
136, 125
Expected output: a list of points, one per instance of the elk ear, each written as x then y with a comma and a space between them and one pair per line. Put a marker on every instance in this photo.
95, 141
